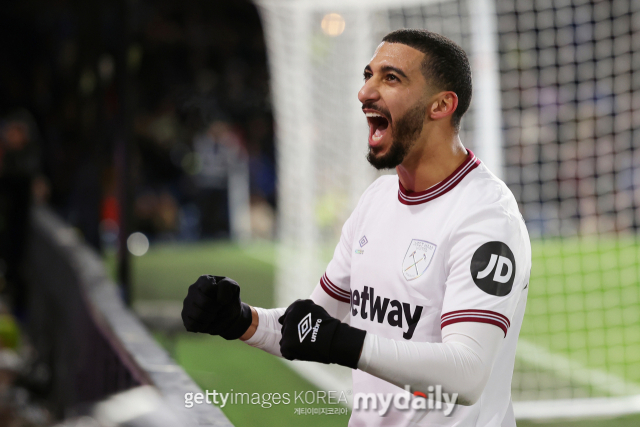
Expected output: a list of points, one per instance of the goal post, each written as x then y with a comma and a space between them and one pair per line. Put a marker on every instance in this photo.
554, 114
317, 52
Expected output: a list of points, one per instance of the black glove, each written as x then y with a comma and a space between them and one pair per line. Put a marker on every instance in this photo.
213, 306
310, 333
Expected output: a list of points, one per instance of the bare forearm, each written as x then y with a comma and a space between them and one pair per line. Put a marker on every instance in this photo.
265, 330
266, 334
255, 319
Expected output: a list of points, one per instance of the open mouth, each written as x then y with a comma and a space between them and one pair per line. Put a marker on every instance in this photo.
378, 125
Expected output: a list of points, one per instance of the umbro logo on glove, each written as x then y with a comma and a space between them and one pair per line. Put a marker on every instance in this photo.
304, 327
331, 340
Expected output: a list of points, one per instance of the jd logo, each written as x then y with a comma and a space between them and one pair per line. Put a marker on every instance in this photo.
493, 268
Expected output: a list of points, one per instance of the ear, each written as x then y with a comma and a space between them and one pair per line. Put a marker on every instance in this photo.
443, 105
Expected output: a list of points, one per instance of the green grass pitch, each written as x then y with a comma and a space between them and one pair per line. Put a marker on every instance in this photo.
597, 321
592, 290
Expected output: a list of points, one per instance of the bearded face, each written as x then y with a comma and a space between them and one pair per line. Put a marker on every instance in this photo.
404, 133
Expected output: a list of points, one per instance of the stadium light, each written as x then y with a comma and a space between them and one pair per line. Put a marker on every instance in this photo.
333, 24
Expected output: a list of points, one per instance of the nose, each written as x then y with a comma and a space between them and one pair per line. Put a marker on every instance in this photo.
368, 92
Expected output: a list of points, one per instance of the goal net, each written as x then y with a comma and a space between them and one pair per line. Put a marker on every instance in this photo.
552, 115
570, 82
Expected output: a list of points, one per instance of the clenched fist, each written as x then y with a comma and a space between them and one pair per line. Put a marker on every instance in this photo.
310, 333
213, 306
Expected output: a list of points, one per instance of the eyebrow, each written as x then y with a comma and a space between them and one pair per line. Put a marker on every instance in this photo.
386, 68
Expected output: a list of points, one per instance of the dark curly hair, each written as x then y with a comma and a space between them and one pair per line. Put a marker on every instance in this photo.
445, 64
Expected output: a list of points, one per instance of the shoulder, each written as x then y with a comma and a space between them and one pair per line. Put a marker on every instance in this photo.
386, 184
485, 194
377, 192
487, 210
487, 222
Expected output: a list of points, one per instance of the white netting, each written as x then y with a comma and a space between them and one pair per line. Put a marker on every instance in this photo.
567, 89
570, 85
317, 54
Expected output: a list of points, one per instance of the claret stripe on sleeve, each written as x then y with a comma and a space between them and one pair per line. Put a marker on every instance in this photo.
407, 197
333, 290
480, 316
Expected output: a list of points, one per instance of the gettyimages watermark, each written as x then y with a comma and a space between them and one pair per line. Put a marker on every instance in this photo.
434, 399
268, 400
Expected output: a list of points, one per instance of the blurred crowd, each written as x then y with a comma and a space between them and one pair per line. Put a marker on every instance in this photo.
160, 106
179, 88
570, 97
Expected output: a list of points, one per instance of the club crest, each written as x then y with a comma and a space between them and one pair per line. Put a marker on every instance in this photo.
417, 259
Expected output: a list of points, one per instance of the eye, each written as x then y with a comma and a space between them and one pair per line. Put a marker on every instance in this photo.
366, 75
392, 77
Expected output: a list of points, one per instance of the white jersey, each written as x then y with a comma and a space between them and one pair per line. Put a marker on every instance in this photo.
410, 263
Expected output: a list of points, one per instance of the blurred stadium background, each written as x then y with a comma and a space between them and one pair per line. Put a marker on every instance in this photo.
181, 138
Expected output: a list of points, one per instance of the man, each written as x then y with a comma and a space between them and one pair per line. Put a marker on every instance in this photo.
432, 268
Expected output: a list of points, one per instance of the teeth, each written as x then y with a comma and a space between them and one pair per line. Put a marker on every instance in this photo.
372, 115
376, 137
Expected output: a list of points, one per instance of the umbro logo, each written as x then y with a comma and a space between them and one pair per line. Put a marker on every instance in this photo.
304, 327
493, 268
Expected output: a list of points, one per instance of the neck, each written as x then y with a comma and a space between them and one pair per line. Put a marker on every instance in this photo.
435, 156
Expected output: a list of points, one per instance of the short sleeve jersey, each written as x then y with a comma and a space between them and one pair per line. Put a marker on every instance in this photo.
410, 263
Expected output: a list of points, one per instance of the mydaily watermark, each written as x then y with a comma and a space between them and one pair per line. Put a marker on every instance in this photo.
434, 399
